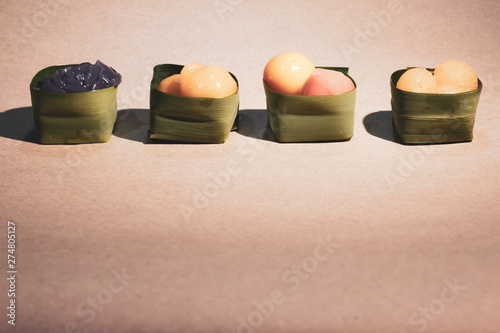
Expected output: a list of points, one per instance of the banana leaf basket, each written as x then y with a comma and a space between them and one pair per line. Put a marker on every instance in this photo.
70, 118
422, 118
189, 119
299, 118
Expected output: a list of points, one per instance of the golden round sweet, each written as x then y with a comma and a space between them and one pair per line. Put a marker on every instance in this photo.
418, 80
171, 85
456, 73
447, 89
198, 80
287, 73
191, 68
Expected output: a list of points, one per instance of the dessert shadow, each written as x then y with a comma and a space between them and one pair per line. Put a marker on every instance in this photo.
18, 124
132, 124
254, 123
380, 124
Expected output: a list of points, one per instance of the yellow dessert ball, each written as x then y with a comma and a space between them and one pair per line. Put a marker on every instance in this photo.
171, 85
418, 80
191, 67
198, 80
456, 73
287, 73
447, 89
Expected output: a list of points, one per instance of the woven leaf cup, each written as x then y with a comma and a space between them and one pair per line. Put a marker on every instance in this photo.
69, 118
433, 118
189, 119
299, 118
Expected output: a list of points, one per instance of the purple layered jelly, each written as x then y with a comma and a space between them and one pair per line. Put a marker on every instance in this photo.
81, 78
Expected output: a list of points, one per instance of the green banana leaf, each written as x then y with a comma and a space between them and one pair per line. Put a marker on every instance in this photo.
189, 119
433, 118
68, 118
299, 118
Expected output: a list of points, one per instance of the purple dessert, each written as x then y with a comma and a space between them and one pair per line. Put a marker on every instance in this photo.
81, 78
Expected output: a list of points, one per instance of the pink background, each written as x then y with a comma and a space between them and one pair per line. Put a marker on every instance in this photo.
251, 236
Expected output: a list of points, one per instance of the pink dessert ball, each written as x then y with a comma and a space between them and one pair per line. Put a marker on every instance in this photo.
327, 82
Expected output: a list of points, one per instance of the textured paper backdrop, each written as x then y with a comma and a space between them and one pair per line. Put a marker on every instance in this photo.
251, 236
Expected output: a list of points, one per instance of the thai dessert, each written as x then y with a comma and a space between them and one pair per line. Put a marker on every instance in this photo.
75, 103
81, 78
307, 103
294, 74
450, 77
417, 80
193, 103
455, 75
327, 82
199, 80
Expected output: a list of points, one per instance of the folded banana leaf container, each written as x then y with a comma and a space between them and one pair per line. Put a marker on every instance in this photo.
299, 118
433, 118
189, 119
68, 118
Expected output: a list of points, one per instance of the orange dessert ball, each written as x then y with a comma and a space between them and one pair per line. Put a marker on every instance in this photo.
417, 80
191, 67
327, 82
288, 72
447, 89
456, 73
198, 80
171, 85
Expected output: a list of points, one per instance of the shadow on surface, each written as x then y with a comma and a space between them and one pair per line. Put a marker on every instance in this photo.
254, 124
132, 124
18, 124
379, 124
